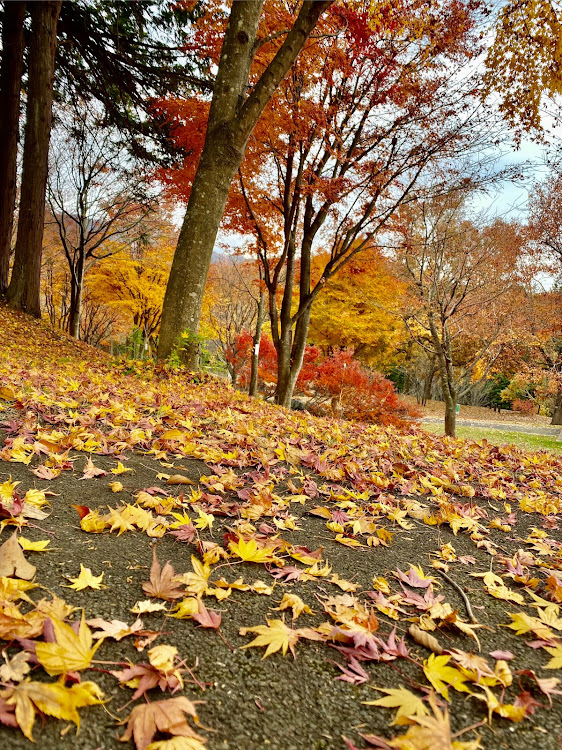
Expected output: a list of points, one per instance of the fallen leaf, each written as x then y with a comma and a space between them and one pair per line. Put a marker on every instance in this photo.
13, 562
86, 580
70, 652
408, 704
167, 716
163, 583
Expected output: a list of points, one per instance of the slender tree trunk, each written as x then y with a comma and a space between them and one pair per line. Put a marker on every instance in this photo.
428, 383
24, 290
557, 413
253, 389
232, 117
289, 364
76, 292
444, 364
10, 87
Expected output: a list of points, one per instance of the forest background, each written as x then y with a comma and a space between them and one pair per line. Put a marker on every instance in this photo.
343, 152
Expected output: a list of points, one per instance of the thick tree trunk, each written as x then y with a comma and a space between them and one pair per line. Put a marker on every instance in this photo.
181, 310
10, 86
24, 289
254, 367
232, 117
557, 413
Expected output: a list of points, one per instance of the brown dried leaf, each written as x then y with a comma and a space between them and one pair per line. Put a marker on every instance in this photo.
425, 639
165, 716
163, 583
13, 562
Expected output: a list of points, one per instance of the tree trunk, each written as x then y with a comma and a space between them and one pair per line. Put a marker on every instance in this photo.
253, 389
232, 117
444, 363
428, 383
557, 413
450, 416
24, 290
76, 291
75, 311
181, 310
290, 359
10, 86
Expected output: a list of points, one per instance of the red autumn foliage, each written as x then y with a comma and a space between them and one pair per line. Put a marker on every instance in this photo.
334, 384
523, 406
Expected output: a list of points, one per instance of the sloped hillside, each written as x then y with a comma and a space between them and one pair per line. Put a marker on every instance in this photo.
390, 578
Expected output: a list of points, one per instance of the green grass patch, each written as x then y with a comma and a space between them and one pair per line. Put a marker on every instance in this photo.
502, 437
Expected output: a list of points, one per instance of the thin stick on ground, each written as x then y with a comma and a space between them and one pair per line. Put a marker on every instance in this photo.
465, 598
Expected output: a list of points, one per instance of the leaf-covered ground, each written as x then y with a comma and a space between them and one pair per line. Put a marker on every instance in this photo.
404, 589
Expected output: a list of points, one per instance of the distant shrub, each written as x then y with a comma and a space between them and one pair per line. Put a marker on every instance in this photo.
335, 384
523, 406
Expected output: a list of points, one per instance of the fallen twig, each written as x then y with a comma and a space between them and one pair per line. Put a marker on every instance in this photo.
465, 598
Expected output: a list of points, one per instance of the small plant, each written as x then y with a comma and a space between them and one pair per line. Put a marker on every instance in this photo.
523, 406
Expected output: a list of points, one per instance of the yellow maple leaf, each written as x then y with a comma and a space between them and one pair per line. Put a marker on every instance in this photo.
204, 521
52, 699
93, 523
29, 546
407, 703
295, 603
186, 608
250, 552
276, 636
524, 623
70, 652
196, 582
440, 675
162, 657
147, 606
120, 469
115, 486
347, 541
556, 661
86, 580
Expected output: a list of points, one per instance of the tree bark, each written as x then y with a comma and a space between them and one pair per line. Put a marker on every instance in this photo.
232, 117
254, 367
10, 86
443, 353
557, 413
428, 383
24, 289
76, 291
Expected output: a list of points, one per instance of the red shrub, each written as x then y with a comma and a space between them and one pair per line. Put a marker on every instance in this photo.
337, 384
523, 406
348, 389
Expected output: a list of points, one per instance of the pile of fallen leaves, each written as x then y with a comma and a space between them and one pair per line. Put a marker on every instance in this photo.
269, 471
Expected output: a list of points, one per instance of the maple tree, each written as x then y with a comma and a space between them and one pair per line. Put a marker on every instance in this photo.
232, 116
522, 63
98, 202
359, 309
343, 143
459, 280
132, 278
